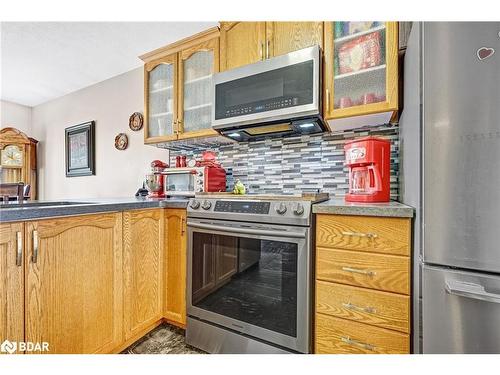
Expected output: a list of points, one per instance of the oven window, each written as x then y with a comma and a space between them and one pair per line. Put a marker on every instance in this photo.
179, 182
250, 280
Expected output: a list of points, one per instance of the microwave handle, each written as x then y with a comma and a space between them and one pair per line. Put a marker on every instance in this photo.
193, 171
259, 232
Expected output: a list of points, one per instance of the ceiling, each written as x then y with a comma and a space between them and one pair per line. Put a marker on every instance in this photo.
41, 61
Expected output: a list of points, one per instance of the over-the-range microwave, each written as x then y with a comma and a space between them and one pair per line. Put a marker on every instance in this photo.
280, 96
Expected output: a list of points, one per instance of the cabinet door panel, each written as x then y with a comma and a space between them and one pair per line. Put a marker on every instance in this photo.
361, 68
160, 99
197, 65
175, 266
74, 287
143, 233
284, 37
242, 43
340, 336
11, 282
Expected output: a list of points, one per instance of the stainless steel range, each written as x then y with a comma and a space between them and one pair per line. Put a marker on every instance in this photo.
249, 274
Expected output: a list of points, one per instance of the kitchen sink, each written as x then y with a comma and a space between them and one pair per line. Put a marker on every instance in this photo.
40, 204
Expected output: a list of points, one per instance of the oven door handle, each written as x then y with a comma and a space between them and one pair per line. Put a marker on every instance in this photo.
261, 232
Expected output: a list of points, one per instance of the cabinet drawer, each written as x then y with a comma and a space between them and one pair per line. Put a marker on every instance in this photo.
340, 336
383, 272
386, 235
382, 309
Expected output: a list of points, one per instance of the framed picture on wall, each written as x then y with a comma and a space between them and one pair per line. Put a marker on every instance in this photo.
80, 150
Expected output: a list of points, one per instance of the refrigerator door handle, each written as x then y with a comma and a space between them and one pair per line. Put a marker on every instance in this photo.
470, 290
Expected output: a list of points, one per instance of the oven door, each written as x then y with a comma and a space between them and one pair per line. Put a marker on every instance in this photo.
251, 278
180, 183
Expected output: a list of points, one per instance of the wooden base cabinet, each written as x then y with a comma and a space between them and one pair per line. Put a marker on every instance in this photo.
93, 283
362, 285
11, 282
143, 255
74, 283
175, 267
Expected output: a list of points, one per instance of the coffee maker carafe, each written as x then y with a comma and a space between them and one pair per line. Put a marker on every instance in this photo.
368, 160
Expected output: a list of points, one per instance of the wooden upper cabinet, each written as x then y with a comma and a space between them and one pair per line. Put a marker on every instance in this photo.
178, 88
197, 65
175, 266
160, 98
11, 282
74, 283
285, 37
143, 243
242, 43
361, 70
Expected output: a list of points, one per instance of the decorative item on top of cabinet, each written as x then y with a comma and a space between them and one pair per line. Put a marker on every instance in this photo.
143, 254
175, 267
12, 282
177, 88
74, 280
362, 284
18, 159
361, 73
244, 43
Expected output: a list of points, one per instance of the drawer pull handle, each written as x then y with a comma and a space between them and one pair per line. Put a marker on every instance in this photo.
357, 234
357, 270
19, 252
352, 342
350, 306
34, 257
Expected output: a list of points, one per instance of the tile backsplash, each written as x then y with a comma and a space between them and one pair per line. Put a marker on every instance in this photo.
297, 164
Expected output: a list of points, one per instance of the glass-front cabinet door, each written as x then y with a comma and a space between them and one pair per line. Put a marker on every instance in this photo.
197, 66
161, 99
361, 68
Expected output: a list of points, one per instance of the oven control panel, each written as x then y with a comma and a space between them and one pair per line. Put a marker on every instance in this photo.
244, 207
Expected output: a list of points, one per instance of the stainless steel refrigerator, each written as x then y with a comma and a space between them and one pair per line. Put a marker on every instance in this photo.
450, 168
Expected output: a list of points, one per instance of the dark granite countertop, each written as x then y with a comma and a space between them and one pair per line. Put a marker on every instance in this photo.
48, 209
338, 206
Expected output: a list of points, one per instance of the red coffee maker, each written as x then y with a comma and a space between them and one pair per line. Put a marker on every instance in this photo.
369, 162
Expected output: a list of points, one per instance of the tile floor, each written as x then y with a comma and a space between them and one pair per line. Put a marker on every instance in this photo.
165, 339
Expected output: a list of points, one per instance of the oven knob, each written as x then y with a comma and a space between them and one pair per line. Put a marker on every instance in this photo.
206, 205
194, 204
281, 208
200, 174
298, 209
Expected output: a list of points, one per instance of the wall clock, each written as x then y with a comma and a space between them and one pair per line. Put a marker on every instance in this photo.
12, 156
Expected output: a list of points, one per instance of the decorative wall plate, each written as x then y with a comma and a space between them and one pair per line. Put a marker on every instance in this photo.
121, 141
136, 121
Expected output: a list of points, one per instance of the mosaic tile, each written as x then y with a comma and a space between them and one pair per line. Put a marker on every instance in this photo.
298, 163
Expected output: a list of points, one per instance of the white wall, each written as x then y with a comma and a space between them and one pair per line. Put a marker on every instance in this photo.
109, 104
17, 116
